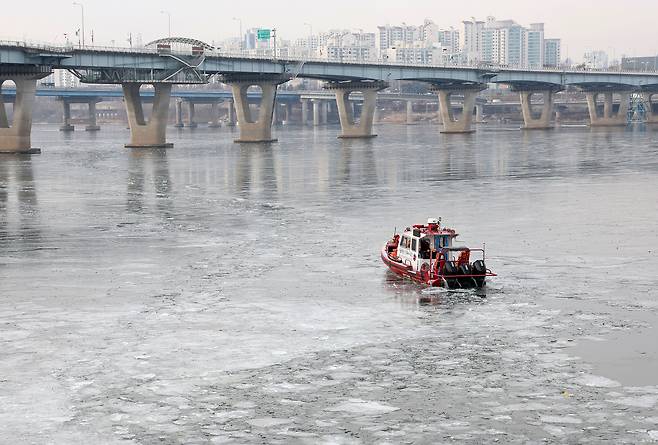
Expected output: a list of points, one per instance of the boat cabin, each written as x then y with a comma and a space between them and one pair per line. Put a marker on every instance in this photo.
421, 244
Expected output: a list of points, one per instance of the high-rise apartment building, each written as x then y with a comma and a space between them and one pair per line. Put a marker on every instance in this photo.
449, 39
535, 46
419, 55
470, 42
428, 32
502, 42
496, 42
392, 36
424, 44
347, 46
552, 56
506, 43
64, 79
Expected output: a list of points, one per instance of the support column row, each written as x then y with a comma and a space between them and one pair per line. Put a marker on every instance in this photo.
149, 133
191, 113
533, 121
451, 123
351, 126
67, 124
254, 127
608, 116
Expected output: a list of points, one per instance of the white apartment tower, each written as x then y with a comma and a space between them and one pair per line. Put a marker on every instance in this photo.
535, 46
552, 49
470, 43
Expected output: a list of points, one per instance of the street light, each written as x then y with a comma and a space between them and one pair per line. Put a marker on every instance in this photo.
82, 15
239, 20
168, 21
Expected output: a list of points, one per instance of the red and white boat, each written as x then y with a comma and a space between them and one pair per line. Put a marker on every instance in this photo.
426, 253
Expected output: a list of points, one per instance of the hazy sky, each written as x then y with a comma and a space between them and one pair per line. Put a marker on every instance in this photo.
616, 26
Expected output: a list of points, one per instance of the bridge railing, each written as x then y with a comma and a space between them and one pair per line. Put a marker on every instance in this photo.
389, 62
35, 45
221, 53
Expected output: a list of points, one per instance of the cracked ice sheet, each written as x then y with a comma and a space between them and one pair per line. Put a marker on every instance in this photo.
144, 304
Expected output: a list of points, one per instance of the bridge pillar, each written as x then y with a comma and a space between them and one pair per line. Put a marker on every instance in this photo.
214, 115
254, 129
324, 112
479, 113
316, 112
151, 133
231, 113
66, 124
450, 123
651, 112
410, 112
304, 112
91, 118
179, 114
190, 115
531, 121
15, 138
351, 126
608, 118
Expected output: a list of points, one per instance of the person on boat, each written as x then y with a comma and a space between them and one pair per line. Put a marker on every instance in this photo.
464, 257
424, 249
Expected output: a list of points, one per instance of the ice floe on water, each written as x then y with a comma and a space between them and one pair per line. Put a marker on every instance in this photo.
364, 407
646, 401
265, 422
597, 381
561, 419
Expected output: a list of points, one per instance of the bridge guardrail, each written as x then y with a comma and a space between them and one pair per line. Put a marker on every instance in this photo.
69, 49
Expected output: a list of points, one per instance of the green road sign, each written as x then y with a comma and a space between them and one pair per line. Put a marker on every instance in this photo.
264, 34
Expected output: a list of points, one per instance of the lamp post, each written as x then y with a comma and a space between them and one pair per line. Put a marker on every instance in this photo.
168, 21
274, 38
82, 16
310, 39
241, 37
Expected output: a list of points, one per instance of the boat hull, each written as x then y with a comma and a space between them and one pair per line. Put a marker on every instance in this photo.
448, 281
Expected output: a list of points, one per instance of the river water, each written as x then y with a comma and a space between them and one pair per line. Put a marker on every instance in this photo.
225, 293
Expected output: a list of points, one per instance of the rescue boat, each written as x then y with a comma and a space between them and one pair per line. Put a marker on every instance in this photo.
426, 253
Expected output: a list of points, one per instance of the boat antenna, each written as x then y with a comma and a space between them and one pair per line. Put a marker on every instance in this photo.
395, 231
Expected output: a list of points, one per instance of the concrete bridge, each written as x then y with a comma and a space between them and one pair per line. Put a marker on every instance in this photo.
318, 100
161, 68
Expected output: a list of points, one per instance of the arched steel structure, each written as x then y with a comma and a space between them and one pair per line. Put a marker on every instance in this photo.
181, 40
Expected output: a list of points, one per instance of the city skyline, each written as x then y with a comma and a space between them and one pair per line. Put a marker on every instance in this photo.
607, 29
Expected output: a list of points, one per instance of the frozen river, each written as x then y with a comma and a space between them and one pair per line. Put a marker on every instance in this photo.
224, 293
